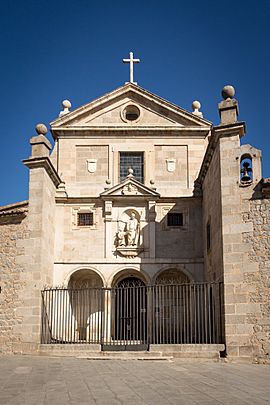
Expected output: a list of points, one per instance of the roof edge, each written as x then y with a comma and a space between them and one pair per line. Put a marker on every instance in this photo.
14, 205
123, 88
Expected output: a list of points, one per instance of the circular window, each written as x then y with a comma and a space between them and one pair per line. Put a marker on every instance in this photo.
131, 113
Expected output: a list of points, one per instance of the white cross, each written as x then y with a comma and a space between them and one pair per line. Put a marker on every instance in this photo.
131, 61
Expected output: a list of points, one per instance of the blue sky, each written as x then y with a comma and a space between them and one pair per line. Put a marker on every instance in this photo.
53, 50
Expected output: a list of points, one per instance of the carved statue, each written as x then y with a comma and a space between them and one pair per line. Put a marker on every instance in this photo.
121, 238
129, 235
132, 230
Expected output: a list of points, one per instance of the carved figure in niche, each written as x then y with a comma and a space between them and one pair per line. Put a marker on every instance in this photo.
121, 238
128, 234
132, 230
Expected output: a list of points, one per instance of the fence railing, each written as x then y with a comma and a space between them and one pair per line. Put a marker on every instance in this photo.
159, 314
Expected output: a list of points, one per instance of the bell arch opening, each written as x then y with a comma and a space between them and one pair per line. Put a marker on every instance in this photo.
246, 169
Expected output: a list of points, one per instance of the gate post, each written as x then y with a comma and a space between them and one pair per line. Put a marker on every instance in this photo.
107, 316
149, 314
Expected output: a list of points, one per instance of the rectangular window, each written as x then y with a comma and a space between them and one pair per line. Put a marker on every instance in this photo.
175, 219
85, 219
133, 160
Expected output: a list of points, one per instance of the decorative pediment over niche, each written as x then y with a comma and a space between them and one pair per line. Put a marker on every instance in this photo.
130, 187
127, 107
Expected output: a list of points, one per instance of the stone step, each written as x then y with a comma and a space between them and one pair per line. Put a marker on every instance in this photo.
157, 352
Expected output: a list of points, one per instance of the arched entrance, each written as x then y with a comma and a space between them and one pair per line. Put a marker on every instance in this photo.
85, 296
172, 303
130, 311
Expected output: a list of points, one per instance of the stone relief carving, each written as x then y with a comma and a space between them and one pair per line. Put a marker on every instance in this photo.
170, 165
129, 189
128, 235
91, 165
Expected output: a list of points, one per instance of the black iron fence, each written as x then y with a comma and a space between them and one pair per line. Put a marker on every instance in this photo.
134, 315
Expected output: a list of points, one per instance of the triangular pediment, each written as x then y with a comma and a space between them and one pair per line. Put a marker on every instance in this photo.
130, 187
110, 110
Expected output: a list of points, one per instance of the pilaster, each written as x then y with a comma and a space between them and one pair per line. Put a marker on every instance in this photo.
39, 249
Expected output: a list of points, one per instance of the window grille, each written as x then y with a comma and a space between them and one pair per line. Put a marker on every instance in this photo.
175, 219
85, 219
133, 160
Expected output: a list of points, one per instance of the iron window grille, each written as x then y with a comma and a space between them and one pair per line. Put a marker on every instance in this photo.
85, 219
175, 219
134, 160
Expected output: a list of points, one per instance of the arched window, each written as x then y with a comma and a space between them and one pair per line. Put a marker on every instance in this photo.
246, 173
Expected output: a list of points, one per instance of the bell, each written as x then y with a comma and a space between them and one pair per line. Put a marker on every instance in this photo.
246, 178
245, 173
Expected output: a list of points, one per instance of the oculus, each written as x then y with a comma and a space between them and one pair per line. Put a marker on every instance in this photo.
131, 113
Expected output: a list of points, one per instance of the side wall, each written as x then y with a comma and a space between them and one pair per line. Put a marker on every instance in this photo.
13, 233
257, 276
212, 215
240, 236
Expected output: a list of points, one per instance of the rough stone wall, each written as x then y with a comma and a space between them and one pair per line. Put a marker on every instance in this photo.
13, 233
257, 276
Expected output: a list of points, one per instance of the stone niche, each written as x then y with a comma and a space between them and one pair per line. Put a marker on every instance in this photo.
128, 236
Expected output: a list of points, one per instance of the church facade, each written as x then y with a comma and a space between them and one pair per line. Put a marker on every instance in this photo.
141, 207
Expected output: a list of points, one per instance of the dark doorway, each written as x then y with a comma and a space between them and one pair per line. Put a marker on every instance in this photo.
131, 311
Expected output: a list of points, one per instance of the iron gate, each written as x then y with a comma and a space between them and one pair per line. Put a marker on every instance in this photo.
132, 317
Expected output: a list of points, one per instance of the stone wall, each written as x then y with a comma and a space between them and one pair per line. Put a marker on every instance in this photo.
257, 276
39, 255
188, 237
13, 233
74, 153
212, 216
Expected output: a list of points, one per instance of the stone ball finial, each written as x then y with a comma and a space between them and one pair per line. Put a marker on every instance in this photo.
228, 92
41, 129
196, 105
130, 170
66, 104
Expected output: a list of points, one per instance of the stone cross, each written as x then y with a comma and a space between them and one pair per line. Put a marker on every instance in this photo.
131, 61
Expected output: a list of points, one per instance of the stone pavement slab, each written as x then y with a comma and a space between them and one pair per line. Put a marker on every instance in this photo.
32, 380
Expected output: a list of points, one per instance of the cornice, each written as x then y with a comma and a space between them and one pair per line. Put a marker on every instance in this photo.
43, 162
124, 131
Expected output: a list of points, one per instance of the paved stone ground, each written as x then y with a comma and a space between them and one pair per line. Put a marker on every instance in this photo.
45, 380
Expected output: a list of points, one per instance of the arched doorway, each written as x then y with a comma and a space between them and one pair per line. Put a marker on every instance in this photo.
130, 311
86, 301
172, 307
